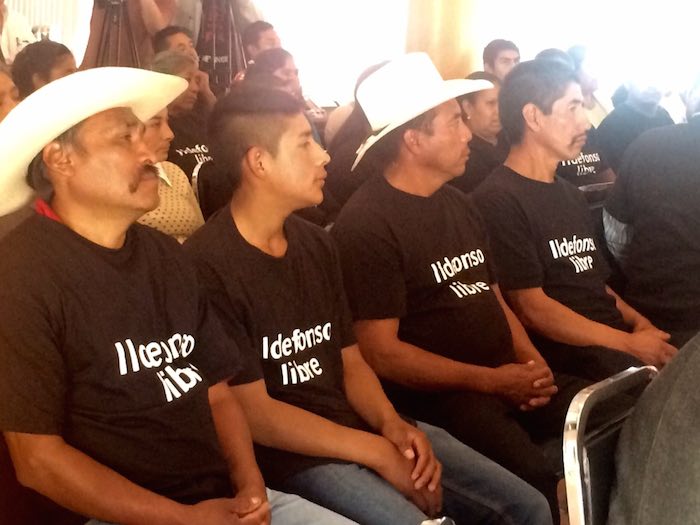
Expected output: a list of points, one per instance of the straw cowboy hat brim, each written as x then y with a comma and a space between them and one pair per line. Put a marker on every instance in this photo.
63, 103
403, 89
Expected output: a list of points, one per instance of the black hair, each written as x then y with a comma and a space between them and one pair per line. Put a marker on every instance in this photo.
479, 75
251, 34
160, 39
37, 58
495, 47
386, 151
249, 116
271, 60
538, 82
558, 55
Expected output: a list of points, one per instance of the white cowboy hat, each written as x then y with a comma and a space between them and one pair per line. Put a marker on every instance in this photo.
63, 103
403, 89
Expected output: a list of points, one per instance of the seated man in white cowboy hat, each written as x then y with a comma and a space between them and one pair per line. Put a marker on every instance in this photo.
114, 372
429, 316
325, 428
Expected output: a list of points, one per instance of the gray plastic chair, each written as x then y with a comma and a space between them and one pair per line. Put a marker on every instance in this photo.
591, 431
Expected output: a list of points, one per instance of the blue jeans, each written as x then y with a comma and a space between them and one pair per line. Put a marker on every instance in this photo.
289, 509
475, 490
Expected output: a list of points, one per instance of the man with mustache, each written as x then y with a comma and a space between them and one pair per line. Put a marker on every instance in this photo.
542, 238
114, 370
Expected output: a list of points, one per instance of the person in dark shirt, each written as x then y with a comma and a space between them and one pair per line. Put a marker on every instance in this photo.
115, 371
190, 148
544, 245
638, 113
657, 479
656, 199
488, 147
423, 290
325, 428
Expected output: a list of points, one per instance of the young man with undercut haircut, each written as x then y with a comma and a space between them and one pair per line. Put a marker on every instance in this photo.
543, 239
429, 316
324, 427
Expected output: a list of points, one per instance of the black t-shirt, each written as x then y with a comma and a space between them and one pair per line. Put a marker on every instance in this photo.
589, 171
426, 261
542, 237
658, 194
624, 124
113, 350
291, 316
190, 151
484, 157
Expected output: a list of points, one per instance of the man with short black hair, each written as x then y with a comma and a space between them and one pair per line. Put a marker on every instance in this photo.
258, 37
325, 428
545, 250
655, 201
500, 56
115, 371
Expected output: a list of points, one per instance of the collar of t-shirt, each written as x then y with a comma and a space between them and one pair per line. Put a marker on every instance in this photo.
43, 208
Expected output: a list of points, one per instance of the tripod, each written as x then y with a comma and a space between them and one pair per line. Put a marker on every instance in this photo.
116, 21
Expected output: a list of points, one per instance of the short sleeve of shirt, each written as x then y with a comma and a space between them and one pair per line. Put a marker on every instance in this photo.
513, 251
480, 230
344, 317
618, 203
33, 372
219, 356
222, 320
372, 273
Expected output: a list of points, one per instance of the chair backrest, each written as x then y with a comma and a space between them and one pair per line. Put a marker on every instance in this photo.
591, 431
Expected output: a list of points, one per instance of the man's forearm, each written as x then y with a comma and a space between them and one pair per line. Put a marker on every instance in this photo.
72, 479
555, 321
632, 317
280, 425
524, 350
364, 391
411, 366
234, 438
157, 14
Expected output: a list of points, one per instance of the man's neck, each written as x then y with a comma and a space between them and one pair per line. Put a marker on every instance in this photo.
532, 161
102, 227
412, 178
260, 221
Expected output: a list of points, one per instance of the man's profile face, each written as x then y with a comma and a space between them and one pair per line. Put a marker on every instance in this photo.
483, 117
268, 39
183, 43
111, 167
504, 62
563, 131
446, 148
298, 172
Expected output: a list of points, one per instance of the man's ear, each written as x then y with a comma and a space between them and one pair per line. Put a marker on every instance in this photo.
412, 140
532, 115
256, 161
56, 157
